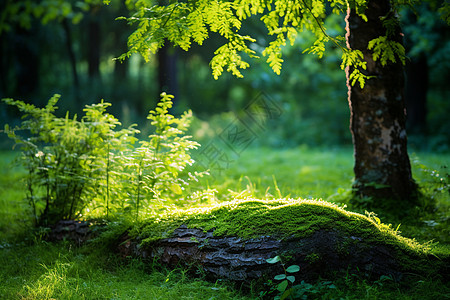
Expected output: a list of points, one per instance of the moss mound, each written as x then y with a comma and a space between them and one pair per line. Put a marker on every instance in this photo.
282, 219
296, 228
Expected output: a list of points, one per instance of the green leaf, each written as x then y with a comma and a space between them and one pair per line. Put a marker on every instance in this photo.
176, 189
286, 294
291, 278
280, 277
386, 50
282, 286
293, 269
273, 260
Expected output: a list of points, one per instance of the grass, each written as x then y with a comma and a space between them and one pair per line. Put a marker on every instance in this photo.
13, 208
60, 271
298, 172
35, 269
306, 173
327, 174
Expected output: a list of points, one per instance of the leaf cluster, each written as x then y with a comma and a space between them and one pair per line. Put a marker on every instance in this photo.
182, 23
156, 166
386, 50
285, 278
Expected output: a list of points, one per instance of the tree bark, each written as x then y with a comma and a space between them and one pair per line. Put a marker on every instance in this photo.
377, 122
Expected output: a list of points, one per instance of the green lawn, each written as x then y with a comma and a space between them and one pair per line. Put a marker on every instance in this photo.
35, 269
298, 172
312, 173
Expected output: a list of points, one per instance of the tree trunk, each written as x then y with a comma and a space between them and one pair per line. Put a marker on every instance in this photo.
377, 122
19, 75
94, 44
72, 59
167, 70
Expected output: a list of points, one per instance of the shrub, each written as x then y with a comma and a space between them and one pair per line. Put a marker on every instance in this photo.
74, 166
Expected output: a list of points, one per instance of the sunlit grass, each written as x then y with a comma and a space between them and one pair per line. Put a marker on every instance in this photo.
60, 271
298, 172
304, 172
13, 207
32, 269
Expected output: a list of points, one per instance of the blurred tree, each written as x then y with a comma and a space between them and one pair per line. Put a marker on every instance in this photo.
120, 34
19, 53
72, 57
417, 73
67, 46
167, 67
427, 43
373, 60
20, 16
94, 43
167, 70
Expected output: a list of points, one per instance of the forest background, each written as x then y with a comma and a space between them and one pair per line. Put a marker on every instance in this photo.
70, 50
68, 47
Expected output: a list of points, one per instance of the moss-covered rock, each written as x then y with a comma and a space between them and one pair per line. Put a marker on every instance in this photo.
233, 240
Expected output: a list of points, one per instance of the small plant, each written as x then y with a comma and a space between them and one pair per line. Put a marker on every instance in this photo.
285, 287
75, 166
58, 154
287, 290
109, 148
156, 167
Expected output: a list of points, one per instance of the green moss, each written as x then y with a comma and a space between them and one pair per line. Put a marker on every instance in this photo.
312, 258
282, 219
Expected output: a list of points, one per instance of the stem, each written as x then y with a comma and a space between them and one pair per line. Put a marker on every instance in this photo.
47, 198
170, 15
107, 182
323, 29
139, 187
56, 189
30, 190
73, 202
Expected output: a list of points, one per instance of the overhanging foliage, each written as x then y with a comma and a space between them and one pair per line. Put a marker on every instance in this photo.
182, 23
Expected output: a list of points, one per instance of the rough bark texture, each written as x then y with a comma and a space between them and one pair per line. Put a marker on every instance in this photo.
382, 167
75, 231
325, 253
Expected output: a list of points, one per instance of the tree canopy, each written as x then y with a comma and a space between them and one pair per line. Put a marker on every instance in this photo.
185, 22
